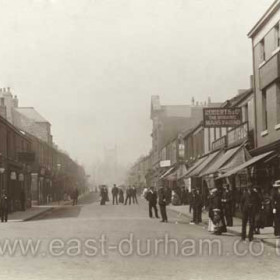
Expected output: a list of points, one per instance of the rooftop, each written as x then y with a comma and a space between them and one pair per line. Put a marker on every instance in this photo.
31, 113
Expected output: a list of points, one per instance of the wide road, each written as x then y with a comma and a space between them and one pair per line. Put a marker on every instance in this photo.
89, 241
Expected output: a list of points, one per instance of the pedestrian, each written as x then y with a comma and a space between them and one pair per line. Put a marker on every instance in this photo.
128, 195
115, 192
103, 194
227, 200
4, 207
162, 201
75, 196
22, 200
249, 204
276, 207
151, 196
258, 217
191, 202
121, 196
134, 195
210, 210
184, 196
216, 212
197, 207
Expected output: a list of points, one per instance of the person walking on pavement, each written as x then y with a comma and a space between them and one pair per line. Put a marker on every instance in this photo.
227, 205
128, 195
103, 194
249, 204
197, 207
75, 196
115, 192
4, 207
134, 195
121, 197
276, 207
151, 196
162, 201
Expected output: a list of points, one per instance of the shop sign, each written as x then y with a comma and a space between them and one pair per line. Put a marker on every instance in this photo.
21, 177
181, 150
219, 143
165, 163
222, 117
237, 135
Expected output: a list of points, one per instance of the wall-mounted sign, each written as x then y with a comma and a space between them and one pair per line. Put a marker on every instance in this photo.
181, 150
26, 157
165, 163
21, 177
222, 117
219, 143
237, 135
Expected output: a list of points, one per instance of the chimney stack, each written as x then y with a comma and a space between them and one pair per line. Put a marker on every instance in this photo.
209, 100
15, 101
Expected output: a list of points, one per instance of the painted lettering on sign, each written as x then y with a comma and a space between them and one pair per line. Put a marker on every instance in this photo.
238, 134
221, 117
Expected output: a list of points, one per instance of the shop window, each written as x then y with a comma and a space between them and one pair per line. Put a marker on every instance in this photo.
264, 110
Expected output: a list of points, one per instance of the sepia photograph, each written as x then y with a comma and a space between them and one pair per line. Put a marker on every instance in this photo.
139, 139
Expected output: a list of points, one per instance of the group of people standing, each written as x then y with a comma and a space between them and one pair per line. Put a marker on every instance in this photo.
259, 208
118, 195
160, 197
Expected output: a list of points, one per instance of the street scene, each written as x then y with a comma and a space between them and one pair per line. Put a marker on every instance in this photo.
140, 139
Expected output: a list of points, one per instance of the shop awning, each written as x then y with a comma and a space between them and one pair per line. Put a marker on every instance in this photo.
240, 157
197, 163
213, 168
167, 172
244, 165
204, 164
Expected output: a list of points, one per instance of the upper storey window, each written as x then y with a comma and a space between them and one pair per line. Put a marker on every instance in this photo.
277, 35
262, 50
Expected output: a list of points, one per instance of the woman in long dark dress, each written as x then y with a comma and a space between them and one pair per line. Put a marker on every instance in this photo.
103, 194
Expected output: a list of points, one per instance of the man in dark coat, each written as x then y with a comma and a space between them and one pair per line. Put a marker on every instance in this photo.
115, 192
249, 204
4, 207
162, 201
152, 198
276, 207
128, 195
227, 200
121, 198
197, 205
134, 195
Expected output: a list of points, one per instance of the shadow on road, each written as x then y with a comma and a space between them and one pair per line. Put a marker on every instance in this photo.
68, 211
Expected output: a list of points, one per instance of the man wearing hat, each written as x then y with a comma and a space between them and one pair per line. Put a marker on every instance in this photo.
276, 207
249, 204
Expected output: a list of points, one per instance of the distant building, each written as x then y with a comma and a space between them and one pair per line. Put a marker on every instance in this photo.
168, 122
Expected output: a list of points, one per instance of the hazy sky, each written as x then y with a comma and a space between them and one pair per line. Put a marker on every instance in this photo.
91, 66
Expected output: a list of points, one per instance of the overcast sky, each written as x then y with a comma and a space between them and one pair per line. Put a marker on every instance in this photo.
91, 66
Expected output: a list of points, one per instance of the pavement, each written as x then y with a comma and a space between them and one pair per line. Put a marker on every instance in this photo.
267, 234
38, 210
